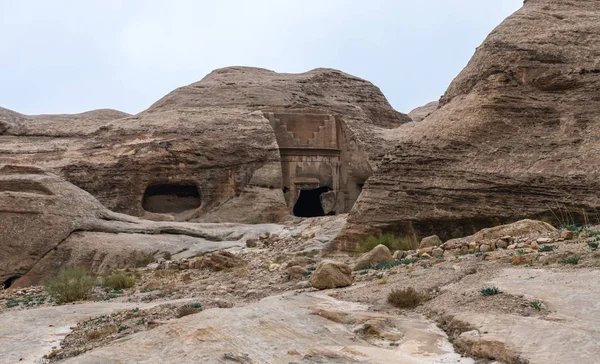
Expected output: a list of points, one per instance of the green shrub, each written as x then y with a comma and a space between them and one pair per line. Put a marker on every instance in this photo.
255, 220
537, 305
393, 243
593, 244
118, 281
571, 260
406, 298
490, 291
71, 285
547, 248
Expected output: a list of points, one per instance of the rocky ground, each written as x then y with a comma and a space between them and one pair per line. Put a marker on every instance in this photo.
546, 300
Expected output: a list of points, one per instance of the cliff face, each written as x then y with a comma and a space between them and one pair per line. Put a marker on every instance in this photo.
516, 133
209, 151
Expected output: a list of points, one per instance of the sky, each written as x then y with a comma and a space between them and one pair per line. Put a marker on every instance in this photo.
72, 56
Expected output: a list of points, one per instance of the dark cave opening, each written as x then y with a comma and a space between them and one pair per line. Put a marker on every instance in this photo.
171, 198
7, 283
309, 203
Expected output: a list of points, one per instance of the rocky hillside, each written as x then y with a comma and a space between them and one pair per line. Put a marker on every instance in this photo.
210, 144
515, 134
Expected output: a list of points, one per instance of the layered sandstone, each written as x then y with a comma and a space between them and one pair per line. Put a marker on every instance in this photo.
515, 135
239, 145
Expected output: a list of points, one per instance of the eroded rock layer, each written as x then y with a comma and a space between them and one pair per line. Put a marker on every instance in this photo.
516, 133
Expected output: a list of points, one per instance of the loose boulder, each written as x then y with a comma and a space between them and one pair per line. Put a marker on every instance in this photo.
218, 260
377, 255
430, 241
331, 274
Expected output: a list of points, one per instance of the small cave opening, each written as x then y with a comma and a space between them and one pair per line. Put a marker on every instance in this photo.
309, 202
9, 282
171, 198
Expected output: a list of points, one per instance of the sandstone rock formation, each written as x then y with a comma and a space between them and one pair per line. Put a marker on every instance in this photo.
421, 112
243, 144
514, 136
47, 224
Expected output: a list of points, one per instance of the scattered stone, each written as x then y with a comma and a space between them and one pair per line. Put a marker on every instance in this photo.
545, 240
512, 246
437, 252
331, 274
398, 254
567, 235
485, 248
303, 285
430, 241
252, 243
296, 272
377, 255
501, 244
422, 251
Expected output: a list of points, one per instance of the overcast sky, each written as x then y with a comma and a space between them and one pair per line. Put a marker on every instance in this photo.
72, 56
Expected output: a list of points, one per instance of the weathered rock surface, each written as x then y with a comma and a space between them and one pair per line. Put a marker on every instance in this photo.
26, 336
512, 138
567, 334
421, 112
47, 223
331, 274
164, 163
304, 328
377, 255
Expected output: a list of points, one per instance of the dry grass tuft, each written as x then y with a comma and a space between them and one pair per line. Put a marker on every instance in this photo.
406, 298
392, 242
118, 280
71, 285
517, 260
100, 333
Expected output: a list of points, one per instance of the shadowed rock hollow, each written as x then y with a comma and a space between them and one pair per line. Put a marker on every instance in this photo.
515, 134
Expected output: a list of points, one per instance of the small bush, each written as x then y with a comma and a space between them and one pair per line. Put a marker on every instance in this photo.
187, 310
71, 285
547, 248
571, 260
405, 298
393, 243
593, 244
255, 220
517, 260
490, 291
382, 281
537, 305
118, 280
